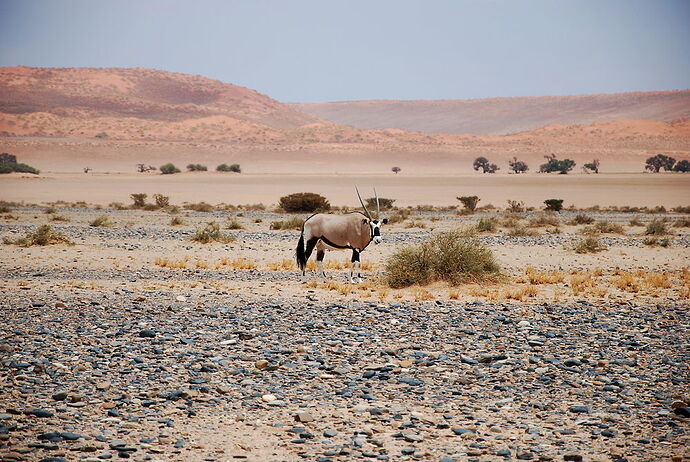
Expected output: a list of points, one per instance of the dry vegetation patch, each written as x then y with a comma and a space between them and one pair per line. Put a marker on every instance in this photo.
211, 233
44, 235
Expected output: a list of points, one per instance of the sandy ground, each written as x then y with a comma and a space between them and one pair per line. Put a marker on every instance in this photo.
229, 305
407, 189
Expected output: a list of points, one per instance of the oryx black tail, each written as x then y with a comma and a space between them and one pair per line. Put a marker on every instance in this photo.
300, 254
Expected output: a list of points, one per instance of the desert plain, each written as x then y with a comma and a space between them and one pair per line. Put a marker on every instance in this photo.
133, 339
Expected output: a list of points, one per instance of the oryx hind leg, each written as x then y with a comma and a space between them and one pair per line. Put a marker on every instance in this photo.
355, 268
320, 253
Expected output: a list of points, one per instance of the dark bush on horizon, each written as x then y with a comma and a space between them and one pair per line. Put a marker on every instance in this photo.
304, 202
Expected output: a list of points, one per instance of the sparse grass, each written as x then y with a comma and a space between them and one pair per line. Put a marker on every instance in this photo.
290, 223
544, 277
581, 219
544, 219
172, 264
211, 233
453, 294
59, 218
101, 222
450, 257
44, 235
50, 210
682, 222
657, 242
5, 209
658, 281
487, 225
583, 282
237, 264
656, 228
520, 293
625, 280
511, 221
555, 230
635, 221
415, 224
399, 217
283, 265
589, 245
234, 223
176, 221
199, 207
520, 230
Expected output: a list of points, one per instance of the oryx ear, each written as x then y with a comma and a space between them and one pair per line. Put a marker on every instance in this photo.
365, 221
385, 221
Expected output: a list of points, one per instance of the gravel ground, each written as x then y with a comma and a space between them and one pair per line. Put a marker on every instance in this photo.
145, 363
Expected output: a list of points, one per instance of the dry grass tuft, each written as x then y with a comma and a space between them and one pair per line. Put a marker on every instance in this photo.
589, 245
453, 294
581, 219
520, 293
199, 207
487, 225
520, 230
102, 222
234, 223
543, 220
635, 221
44, 235
581, 283
421, 294
658, 281
656, 242
625, 280
237, 264
59, 218
172, 264
415, 224
176, 221
399, 217
283, 265
656, 228
211, 233
544, 277
291, 223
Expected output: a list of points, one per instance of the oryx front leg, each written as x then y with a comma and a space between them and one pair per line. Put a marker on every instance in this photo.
355, 268
320, 253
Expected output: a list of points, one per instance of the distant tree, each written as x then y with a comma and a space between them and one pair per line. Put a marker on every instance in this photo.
229, 168
554, 165
8, 158
396, 170
87, 169
656, 163
469, 202
483, 164
682, 166
591, 167
139, 199
102, 135
384, 203
143, 168
518, 166
196, 168
169, 169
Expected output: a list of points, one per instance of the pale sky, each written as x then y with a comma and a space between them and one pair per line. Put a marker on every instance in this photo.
320, 50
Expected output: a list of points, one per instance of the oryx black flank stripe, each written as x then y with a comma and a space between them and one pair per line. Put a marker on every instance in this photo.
334, 245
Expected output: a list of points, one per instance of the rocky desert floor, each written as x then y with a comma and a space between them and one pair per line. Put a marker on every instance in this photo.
137, 342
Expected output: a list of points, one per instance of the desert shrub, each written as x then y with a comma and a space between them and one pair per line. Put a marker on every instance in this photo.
304, 202
511, 221
199, 207
290, 223
176, 221
554, 165
635, 221
396, 170
44, 235
101, 135
150, 207
169, 169
554, 205
229, 168
588, 245
487, 224
516, 206
682, 222
386, 204
483, 164
544, 219
197, 168
607, 227
656, 242
117, 206
400, 216
101, 222
9, 167
234, 223
591, 166
161, 200
139, 200
656, 228
450, 257
5, 209
415, 224
469, 202
520, 230
681, 209
59, 218
50, 210
211, 233
581, 219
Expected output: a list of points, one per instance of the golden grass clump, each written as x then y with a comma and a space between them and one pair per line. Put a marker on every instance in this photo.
59, 218
211, 233
283, 265
658, 281
656, 228
487, 225
635, 221
290, 223
657, 242
520, 230
581, 219
544, 277
172, 264
234, 223
238, 264
199, 207
625, 280
582, 282
589, 245
520, 293
176, 221
101, 222
44, 235
451, 257
399, 217
415, 224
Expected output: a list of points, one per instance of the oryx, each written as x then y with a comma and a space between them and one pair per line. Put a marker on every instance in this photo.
352, 231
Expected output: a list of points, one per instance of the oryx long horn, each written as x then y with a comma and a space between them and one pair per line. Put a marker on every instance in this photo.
362, 202
378, 207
